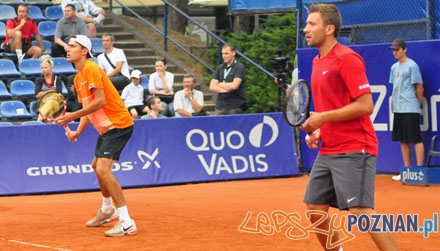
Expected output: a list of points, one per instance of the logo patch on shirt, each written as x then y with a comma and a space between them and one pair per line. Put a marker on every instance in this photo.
361, 87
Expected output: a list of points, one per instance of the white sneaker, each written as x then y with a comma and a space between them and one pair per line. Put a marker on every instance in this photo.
396, 177
122, 228
102, 218
20, 58
99, 20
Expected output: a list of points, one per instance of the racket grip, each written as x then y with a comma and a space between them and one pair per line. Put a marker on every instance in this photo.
68, 131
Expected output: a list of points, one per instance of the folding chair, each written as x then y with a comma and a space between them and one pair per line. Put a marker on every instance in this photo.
4, 93
14, 109
54, 13
97, 47
8, 69
7, 12
62, 67
36, 13
22, 88
30, 67
47, 29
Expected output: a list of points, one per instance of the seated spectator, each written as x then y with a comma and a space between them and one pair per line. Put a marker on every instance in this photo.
188, 101
67, 26
72, 99
155, 106
114, 63
161, 85
89, 12
49, 81
19, 32
133, 96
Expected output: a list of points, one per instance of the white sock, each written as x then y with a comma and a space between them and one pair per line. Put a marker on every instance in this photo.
340, 248
123, 214
107, 203
19, 52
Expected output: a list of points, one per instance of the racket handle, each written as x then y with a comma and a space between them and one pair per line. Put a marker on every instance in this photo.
68, 131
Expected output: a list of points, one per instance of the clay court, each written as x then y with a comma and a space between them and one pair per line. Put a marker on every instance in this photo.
203, 216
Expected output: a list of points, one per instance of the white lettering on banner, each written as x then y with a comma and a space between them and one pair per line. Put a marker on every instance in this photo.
434, 100
382, 91
410, 175
221, 164
73, 169
201, 141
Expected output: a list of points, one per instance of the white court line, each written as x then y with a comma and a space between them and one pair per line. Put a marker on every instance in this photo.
34, 245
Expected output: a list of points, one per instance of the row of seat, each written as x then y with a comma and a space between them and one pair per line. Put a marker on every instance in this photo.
21, 89
29, 122
17, 110
51, 13
31, 67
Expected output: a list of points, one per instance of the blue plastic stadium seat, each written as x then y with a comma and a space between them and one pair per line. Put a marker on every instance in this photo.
14, 109
144, 82
33, 108
40, 3
2, 31
4, 93
22, 88
30, 67
32, 122
97, 47
36, 13
47, 29
62, 67
7, 12
54, 13
47, 46
8, 69
5, 123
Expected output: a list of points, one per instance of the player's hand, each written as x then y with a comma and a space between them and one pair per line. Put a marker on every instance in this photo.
64, 119
71, 136
312, 139
314, 122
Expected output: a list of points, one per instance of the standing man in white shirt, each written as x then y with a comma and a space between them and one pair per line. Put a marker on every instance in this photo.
114, 63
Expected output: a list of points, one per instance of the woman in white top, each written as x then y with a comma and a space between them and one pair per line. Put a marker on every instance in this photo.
161, 85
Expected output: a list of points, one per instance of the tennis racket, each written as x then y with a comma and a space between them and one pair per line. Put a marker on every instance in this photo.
296, 108
52, 105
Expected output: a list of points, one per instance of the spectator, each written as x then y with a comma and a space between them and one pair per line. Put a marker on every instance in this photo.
407, 98
19, 32
133, 96
114, 63
49, 81
161, 85
67, 26
89, 12
228, 82
156, 107
72, 98
189, 101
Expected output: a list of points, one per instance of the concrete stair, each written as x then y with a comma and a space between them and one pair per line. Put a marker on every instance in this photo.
141, 54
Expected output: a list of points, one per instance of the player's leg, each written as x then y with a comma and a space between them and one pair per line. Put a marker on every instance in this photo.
354, 179
324, 225
383, 240
320, 194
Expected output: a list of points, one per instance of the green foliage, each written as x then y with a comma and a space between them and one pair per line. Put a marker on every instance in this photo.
276, 32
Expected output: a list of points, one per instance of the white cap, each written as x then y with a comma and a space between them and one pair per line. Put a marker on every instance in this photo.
84, 41
136, 74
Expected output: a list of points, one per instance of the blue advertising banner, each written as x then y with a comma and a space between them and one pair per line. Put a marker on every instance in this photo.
379, 59
39, 159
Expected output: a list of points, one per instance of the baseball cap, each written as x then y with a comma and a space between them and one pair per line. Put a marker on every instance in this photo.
136, 74
398, 43
84, 41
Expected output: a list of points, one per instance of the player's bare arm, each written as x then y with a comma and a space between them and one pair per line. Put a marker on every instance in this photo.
361, 106
97, 103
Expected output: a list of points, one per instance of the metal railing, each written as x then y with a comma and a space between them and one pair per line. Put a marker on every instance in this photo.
164, 34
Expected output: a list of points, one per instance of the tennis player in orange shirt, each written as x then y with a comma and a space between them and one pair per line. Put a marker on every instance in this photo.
104, 108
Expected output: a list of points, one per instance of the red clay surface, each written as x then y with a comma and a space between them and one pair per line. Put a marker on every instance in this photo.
203, 216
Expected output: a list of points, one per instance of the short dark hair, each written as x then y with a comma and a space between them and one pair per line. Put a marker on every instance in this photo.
189, 75
330, 15
161, 59
107, 34
150, 101
71, 6
231, 46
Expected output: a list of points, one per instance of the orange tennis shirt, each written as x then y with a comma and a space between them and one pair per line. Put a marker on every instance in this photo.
114, 114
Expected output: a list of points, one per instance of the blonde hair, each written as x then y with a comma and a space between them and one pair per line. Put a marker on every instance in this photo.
47, 59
